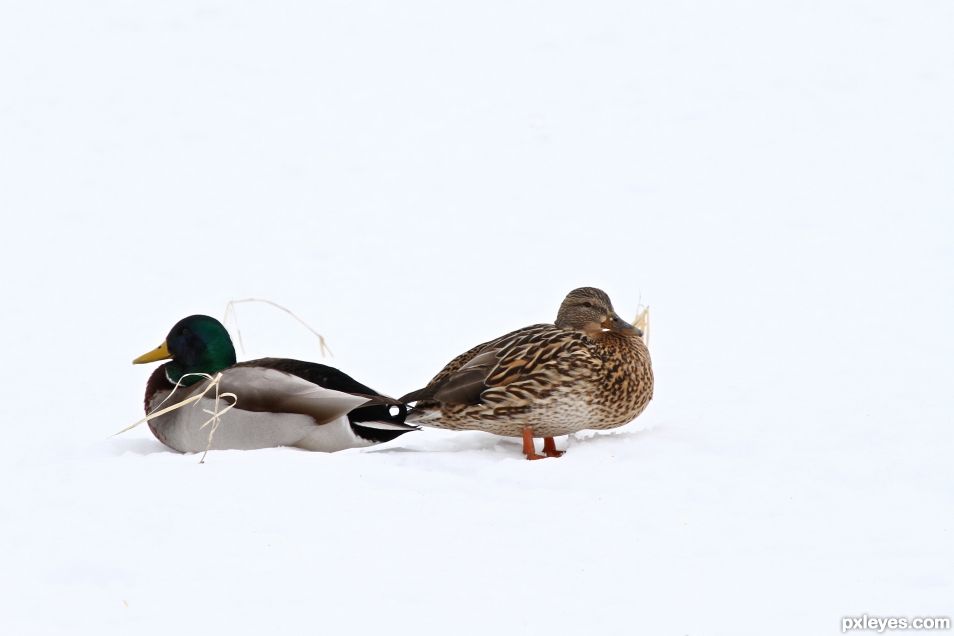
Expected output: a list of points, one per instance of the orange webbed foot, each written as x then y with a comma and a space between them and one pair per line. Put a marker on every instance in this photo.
528, 448
550, 449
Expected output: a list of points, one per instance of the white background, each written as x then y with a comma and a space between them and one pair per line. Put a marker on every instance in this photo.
775, 179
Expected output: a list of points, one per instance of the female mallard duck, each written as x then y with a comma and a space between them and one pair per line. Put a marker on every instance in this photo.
588, 370
279, 402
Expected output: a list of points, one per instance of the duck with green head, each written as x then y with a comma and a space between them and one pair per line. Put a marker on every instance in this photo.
280, 401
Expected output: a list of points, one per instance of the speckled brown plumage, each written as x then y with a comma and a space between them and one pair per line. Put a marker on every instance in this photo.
590, 370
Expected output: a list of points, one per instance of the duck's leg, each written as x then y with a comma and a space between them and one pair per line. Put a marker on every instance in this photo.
528, 448
549, 448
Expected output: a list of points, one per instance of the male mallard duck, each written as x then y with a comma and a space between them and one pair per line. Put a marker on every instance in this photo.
280, 402
588, 370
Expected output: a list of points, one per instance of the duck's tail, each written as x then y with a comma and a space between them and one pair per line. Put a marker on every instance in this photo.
424, 411
381, 422
376, 431
427, 415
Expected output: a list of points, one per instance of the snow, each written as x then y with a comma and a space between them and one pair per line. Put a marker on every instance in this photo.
773, 178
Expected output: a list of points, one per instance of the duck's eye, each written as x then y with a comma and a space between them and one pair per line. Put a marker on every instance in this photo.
588, 305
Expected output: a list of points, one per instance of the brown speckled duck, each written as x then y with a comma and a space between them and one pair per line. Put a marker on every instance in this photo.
589, 370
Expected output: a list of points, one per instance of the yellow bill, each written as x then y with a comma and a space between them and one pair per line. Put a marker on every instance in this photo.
159, 353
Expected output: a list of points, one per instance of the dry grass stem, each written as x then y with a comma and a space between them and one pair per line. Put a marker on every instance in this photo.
230, 311
642, 323
215, 413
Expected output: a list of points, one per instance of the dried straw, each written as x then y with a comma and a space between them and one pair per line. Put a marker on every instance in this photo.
215, 413
230, 311
642, 322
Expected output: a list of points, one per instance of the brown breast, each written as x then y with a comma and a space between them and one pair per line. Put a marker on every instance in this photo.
626, 381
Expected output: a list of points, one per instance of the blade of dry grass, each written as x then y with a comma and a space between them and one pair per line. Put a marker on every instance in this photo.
230, 311
642, 322
215, 413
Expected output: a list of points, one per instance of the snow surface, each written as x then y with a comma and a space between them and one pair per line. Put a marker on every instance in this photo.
773, 178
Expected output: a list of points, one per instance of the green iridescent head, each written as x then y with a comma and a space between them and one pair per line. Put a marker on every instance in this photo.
197, 344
